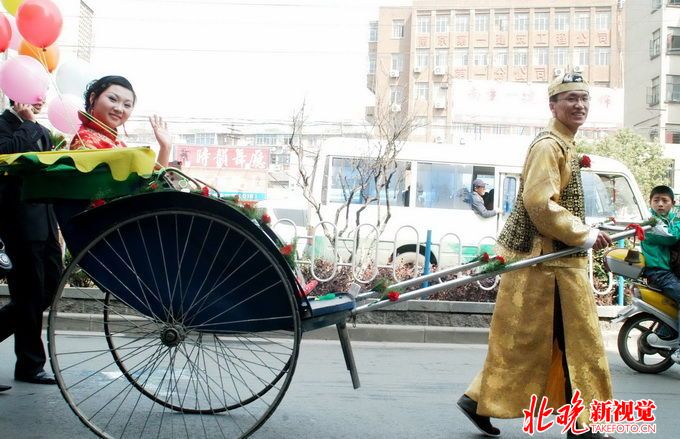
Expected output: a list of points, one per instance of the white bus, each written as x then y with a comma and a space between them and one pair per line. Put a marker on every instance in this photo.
431, 191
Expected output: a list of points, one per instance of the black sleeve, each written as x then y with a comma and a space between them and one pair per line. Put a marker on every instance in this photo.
23, 139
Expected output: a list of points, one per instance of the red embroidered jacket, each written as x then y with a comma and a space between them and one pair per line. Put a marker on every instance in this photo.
93, 135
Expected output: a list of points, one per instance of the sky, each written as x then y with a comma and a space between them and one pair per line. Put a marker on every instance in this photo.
238, 59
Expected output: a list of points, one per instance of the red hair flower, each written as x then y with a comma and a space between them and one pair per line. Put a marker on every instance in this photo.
266, 219
287, 249
500, 259
584, 161
205, 191
393, 296
97, 203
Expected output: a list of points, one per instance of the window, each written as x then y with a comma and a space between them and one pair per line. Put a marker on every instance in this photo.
441, 58
510, 185
371, 64
420, 125
397, 62
460, 57
500, 22
540, 56
656, 4
673, 2
397, 28
654, 92
582, 21
562, 21
444, 186
500, 57
396, 94
560, 54
355, 178
462, 23
208, 139
541, 20
673, 42
609, 196
520, 57
672, 133
602, 56
603, 20
481, 22
581, 56
373, 31
422, 91
672, 88
423, 24
422, 58
655, 44
521, 22
442, 25
480, 57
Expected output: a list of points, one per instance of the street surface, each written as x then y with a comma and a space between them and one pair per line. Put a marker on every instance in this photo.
407, 391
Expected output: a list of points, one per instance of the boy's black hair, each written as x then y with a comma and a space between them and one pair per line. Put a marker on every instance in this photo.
662, 190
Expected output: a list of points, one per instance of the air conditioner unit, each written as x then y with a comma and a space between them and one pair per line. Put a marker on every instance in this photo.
440, 104
417, 69
439, 139
394, 73
439, 70
577, 69
558, 72
395, 108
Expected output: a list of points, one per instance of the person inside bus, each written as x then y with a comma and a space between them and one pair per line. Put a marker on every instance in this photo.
109, 102
477, 200
545, 338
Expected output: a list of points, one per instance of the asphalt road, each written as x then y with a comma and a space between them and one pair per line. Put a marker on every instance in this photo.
408, 391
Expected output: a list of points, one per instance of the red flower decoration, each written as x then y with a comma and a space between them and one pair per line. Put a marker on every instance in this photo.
393, 296
266, 219
153, 186
584, 162
485, 257
205, 191
287, 249
500, 259
97, 203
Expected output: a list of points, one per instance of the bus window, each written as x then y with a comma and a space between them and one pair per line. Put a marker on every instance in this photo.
609, 196
444, 186
509, 194
356, 177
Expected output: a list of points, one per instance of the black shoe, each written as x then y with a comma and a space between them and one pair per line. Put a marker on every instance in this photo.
483, 423
41, 377
4, 387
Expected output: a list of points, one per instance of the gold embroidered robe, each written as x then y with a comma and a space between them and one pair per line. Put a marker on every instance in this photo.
523, 357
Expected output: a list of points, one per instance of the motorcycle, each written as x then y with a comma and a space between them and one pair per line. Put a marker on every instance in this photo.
648, 340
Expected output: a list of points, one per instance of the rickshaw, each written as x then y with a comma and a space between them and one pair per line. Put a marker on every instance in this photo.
195, 324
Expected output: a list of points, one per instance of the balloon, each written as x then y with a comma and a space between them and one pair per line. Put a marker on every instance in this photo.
62, 112
39, 22
16, 36
12, 5
49, 57
5, 33
24, 80
73, 76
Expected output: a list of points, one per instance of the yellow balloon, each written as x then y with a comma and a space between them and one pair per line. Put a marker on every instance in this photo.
12, 5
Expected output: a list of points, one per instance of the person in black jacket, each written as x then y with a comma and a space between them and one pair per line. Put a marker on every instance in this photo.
30, 234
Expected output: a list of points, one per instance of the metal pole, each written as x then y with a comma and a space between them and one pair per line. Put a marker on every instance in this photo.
428, 252
525, 263
619, 289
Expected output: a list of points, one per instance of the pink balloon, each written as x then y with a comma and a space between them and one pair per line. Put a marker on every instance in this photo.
39, 22
62, 112
16, 36
24, 80
5, 33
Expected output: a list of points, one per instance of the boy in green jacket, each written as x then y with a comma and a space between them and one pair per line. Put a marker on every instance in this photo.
656, 248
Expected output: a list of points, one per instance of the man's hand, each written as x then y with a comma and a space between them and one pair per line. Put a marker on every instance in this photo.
603, 240
25, 111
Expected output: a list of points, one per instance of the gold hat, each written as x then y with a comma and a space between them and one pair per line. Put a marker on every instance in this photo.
568, 82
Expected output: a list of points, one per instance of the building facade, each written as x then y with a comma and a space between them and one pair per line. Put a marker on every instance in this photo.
424, 58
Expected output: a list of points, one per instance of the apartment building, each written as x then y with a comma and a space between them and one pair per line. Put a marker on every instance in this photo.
457, 67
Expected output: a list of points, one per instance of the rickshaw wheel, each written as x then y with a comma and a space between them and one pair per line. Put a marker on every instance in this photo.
198, 316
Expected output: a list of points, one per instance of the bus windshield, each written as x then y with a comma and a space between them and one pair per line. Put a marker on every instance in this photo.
609, 196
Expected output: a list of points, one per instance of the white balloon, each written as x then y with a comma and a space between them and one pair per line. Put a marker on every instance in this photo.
62, 111
73, 76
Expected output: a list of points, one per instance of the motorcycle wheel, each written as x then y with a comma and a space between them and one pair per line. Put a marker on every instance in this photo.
634, 349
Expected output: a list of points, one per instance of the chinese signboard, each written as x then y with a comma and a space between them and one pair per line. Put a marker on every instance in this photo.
201, 156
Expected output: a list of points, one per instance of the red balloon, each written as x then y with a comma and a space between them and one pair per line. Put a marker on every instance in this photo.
39, 22
5, 33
